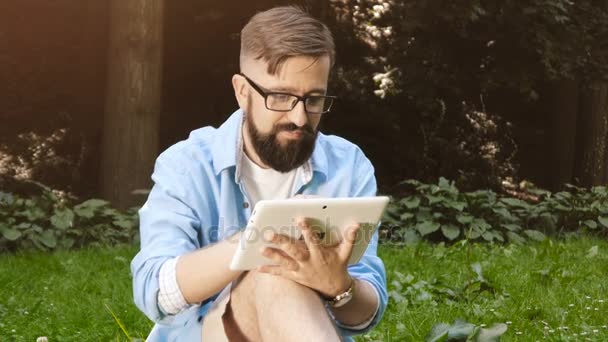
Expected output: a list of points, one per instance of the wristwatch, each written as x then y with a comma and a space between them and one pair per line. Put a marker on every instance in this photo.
343, 297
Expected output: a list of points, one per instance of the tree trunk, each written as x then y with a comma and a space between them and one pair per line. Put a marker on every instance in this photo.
593, 131
132, 109
565, 102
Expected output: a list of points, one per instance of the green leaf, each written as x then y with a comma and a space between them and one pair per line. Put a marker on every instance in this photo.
10, 234
6, 198
535, 235
434, 199
456, 205
503, 212
591, 224
450, 231
124, 223
515, 238
488, 236
498, 236
603, 220
593, 251
48, 239
444, 183
424, 214
410, 202
87, 209
460, 330
67, 243
411, 237
427, 227
492, 334
406, 216
63, 218
511, 227
473, 233
464, 219
94, 203
439, 333
514, 202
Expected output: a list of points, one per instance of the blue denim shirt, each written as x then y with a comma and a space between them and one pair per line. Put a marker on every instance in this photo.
198, 199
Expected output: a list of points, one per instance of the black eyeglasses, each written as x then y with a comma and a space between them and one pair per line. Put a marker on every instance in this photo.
285, 102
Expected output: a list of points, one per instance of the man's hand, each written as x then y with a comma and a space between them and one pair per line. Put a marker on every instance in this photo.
309, 262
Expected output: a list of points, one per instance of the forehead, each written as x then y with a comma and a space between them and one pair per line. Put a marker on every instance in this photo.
298, 74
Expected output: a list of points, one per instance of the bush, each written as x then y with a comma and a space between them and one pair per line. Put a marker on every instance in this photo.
50, 221
442, 212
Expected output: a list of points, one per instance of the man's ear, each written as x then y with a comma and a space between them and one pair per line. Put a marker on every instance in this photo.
240, 90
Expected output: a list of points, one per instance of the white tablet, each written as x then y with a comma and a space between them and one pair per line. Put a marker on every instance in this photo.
328, 216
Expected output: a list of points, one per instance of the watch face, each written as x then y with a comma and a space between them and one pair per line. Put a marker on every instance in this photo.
347, 297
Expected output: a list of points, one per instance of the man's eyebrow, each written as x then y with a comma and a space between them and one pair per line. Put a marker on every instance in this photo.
293, 91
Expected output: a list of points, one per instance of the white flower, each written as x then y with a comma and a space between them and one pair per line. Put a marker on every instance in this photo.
42, 339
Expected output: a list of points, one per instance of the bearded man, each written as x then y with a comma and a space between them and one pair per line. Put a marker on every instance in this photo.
205, 189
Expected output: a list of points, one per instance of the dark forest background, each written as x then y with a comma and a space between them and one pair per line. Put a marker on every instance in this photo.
486, 93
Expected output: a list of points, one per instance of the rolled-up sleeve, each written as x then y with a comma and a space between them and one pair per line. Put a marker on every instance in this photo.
168, 228
370, 268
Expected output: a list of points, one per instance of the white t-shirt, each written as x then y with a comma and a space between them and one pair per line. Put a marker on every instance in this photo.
262, 184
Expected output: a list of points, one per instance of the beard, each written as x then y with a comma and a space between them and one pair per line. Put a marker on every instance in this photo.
285, 156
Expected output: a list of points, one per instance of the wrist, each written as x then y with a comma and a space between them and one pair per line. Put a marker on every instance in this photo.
343, 297
343, 284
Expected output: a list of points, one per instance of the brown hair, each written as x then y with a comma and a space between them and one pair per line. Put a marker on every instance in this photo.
282, 32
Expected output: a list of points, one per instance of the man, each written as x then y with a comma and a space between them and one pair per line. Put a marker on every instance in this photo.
205, 188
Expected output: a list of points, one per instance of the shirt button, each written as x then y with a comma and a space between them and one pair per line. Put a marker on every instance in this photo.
245, 205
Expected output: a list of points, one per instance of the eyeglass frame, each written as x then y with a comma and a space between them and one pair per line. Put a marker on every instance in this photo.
265, 95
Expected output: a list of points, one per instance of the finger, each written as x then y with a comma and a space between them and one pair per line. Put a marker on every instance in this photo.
280, 258
270, 269
310, 238
348, 242
292, 247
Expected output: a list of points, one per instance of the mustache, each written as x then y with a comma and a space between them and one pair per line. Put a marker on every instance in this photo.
290, 127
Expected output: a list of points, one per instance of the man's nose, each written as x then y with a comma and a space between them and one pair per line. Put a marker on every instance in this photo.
298, 115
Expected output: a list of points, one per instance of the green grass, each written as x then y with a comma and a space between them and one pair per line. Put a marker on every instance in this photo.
539, 288
554, 290
68, 296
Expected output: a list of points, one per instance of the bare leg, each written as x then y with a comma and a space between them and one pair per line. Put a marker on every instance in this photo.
264, 307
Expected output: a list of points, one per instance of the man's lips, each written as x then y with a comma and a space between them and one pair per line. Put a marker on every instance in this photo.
293, 134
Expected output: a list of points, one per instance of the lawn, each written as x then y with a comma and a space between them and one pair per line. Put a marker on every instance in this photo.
553, 290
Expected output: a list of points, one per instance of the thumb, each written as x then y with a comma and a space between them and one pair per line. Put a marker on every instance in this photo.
348, 242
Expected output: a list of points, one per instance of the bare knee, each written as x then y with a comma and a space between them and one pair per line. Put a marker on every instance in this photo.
267, 283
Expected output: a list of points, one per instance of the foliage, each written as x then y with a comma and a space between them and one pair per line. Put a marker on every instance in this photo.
461, 85
50, 221
462, 331
441, 212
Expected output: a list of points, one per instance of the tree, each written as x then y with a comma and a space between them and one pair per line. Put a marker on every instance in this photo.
132, 109
592, 168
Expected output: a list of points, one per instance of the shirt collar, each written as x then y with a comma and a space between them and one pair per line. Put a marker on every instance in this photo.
228, 148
